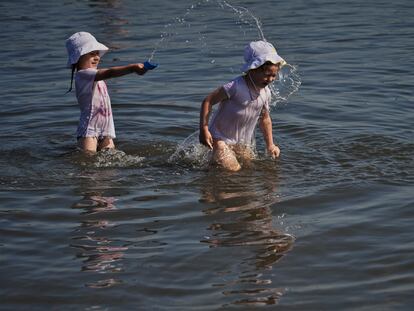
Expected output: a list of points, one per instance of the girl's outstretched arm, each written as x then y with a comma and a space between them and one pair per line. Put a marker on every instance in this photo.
213, 98
119, 71
265, 124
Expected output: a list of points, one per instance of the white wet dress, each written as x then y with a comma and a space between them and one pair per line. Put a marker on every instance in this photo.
95, 105
236, 118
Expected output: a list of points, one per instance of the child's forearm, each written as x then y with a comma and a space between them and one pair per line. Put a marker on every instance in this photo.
119, 71
213, 98
204, 114
204, 134
266, 127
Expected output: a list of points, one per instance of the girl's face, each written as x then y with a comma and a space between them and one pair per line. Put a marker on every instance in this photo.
90, 60
264, 75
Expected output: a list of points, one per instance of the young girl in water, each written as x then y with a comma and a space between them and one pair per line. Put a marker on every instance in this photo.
96, 125
244, 101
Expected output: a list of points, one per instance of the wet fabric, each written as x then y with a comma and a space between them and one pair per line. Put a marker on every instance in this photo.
236, 118
95, 106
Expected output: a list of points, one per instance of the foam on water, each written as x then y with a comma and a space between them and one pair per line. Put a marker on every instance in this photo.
110, 158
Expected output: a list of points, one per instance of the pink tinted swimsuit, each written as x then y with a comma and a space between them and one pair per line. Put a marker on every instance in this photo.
95, 106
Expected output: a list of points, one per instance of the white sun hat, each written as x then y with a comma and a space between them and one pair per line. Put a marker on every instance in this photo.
257, 53
82, 43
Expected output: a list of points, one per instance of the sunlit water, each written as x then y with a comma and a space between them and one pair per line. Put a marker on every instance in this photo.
150, 226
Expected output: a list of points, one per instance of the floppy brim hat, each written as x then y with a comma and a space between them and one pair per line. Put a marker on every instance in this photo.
82, 43
257, 53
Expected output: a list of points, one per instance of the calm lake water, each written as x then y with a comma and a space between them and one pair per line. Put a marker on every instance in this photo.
327, 226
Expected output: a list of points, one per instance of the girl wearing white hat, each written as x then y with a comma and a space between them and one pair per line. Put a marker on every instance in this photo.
96, 129
243, 102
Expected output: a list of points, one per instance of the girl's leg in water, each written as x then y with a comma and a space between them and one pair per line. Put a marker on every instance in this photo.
88, 144
244, 154
106, 143
224, 157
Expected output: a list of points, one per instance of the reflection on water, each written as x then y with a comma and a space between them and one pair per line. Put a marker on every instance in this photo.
99, 253
95, 204
346, 171
244, 220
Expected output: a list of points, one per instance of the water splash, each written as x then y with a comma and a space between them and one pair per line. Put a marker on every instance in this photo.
109, 158
180, 32
245, 20
116, 158
191, 152
171, 28
245, 16
251, 27
287, 84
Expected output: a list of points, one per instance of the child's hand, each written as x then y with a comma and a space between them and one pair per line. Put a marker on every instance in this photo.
149, 66
139, 69
273, 151
205, 138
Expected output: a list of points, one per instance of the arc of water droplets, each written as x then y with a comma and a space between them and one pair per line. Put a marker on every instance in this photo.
239, 10
289, 79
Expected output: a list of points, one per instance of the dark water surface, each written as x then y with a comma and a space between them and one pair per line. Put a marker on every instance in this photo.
328, 226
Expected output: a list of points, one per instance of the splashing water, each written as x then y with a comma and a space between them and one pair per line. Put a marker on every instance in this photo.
289, 79
172, 29
246, 21
242, 12
190, 151
110, 158
288, 83
116, 158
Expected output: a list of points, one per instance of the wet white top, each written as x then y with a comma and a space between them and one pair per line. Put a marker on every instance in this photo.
236, 118
95, 105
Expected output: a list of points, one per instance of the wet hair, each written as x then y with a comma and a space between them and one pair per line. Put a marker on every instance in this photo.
71, 78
